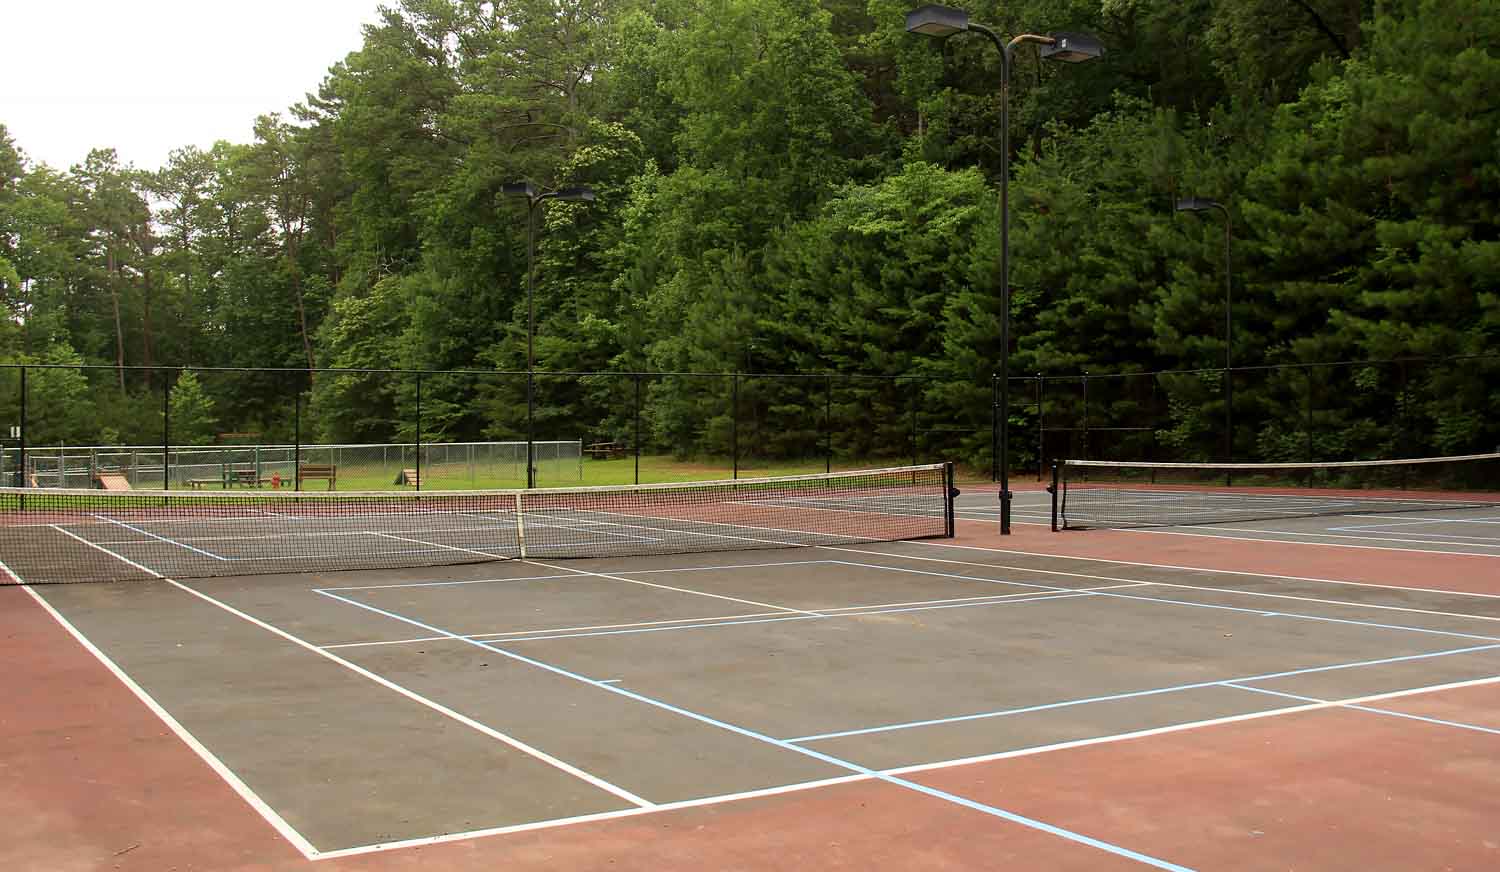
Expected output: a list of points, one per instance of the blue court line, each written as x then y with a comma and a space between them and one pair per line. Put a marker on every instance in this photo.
1137, 694
1370, 709
918, 787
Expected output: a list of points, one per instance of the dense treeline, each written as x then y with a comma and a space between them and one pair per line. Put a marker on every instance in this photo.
792, 186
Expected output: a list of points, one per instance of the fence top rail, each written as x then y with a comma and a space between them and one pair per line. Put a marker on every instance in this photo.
288, 446
104, 367
1086, 375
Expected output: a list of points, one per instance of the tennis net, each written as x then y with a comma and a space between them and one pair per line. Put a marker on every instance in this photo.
53, 536
1093, 493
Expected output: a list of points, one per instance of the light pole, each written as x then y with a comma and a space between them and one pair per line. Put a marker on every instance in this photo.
1198, 205
943, 21
534, 201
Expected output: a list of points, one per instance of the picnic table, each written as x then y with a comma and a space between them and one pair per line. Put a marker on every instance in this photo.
605, 450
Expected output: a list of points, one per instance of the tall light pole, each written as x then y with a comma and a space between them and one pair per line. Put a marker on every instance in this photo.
1199, 205
944, 21
534, 202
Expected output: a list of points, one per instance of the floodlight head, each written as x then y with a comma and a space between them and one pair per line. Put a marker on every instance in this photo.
1072, 48
577, 192
518, 189
935, 20
1197, 204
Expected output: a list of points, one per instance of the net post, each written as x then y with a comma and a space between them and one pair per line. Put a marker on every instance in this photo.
734, 424
520, 528
949, 492
1056, 493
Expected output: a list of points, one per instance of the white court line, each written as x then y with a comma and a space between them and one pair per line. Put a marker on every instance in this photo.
277, 822
438, 707
1122, 562
734, 599
458, 583
440, 546
728, 620
1408, 520
906, 770
1364, 708
467, 721
156, 537
1328, 534
589, 818
1192, 725
1184, 532
1155, 583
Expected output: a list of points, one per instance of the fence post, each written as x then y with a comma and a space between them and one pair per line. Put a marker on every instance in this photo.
828, 424
1308, 419
1228, 424
25, 479
914, 460
637, 428
297, 438
1085, 450
1041, 422
419, 435
994, 427
166, 432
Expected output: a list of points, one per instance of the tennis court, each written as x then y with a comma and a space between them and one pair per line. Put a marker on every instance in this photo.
679, 694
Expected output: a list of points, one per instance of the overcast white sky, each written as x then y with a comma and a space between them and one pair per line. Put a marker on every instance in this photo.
147, 76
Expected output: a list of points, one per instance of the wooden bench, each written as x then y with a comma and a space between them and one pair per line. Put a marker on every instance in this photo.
319, 471
605, 450
408, 476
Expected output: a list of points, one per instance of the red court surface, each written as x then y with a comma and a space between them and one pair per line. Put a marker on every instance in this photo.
1397, 777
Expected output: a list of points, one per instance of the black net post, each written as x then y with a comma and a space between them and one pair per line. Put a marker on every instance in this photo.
637, 414
1056, 493
949, 496
166, 432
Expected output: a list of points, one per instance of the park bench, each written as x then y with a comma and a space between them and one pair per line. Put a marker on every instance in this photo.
605, 450
409, 476
319, 471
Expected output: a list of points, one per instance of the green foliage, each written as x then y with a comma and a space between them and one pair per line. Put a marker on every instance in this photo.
192, 421
797, 186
